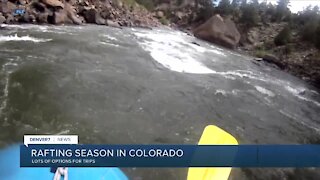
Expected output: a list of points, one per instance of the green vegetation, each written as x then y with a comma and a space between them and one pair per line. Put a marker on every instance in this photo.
248, 14
308, 22
317, 37
282, 10
224, 7
260, 53
147, 4
204, 10
127, 2
288, 49
283, 37
164, 20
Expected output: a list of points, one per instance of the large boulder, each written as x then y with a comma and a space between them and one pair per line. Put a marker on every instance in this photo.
59, 17
42, 18
71, 14
67, 15
270, 58
219, 31
112, 23
53, 3
93, 16
90, 15
10, 19
2, 19
7, 7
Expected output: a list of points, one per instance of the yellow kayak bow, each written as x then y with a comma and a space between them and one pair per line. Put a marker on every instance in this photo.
213, 135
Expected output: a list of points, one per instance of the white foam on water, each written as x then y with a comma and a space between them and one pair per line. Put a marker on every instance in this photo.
171, 51
4, 98
241, 74
109, 44
220, 91
22, 38
298, 93
264, 91
64, 132
42, 28
299, 120
110, 37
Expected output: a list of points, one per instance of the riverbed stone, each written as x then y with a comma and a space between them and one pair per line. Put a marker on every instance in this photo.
219, 31
2, 19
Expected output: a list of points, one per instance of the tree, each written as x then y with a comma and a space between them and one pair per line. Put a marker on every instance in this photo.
235, 3
255, 2
309, 19
147, 4
284, 37
317, 39
203, 9
244, 2
224, 7
249, 16
282, 9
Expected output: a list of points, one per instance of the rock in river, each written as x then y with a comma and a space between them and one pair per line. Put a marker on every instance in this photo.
219, 31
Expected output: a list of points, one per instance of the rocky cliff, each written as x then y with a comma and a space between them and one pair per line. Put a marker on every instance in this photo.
103, 12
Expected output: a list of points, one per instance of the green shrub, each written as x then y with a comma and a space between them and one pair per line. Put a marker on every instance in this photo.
204, 10
308, 32
260, 53
283, 37
149, 4
127, 2
164, 20
317, 38
288, 49
224, 7
250, 16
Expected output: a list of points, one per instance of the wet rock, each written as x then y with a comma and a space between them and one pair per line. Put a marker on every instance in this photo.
22, 2
53, 3
8, 7
100, 21
90, 15
112, 23
42, 18
38, 6
59, 17
270, 58
195, 43
219, 31
258, 59
2, 19
28, 18
71, 15
160, 14
10, 19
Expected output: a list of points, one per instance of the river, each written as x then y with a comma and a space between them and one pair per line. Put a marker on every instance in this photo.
138, 86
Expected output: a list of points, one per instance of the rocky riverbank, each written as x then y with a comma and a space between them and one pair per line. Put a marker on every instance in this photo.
105, 12
299, 58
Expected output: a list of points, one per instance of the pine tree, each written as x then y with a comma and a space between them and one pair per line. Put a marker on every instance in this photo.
249, 16
283, 37
224, 7
282, 9
235, 3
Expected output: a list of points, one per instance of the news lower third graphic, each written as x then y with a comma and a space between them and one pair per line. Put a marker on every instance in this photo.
64, 151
